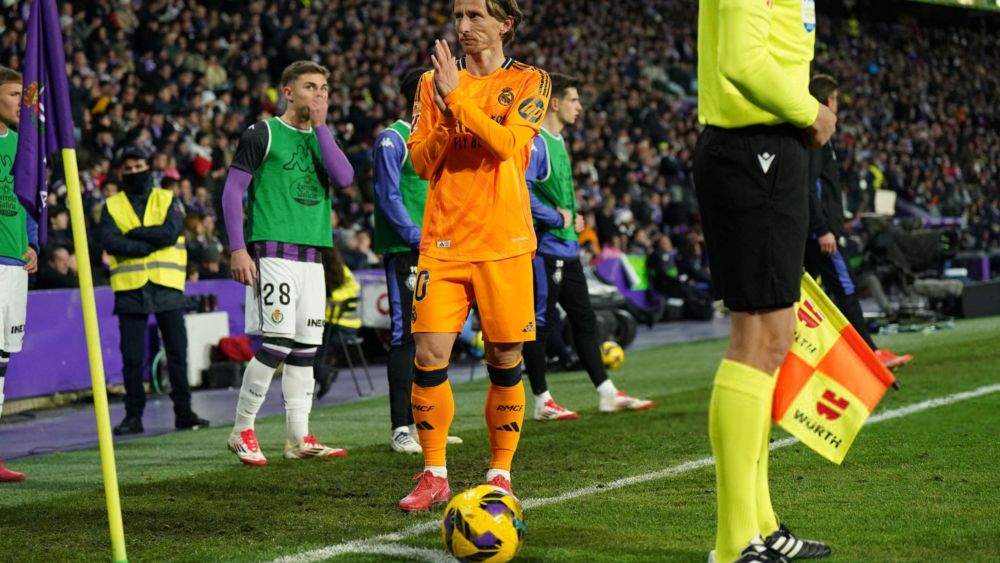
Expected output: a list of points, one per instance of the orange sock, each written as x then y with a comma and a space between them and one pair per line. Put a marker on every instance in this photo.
504, 413
433, 408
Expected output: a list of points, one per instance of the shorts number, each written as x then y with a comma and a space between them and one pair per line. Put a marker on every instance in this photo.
284, 294
421, 289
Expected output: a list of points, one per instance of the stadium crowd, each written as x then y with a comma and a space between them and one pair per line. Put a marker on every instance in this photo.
182, 79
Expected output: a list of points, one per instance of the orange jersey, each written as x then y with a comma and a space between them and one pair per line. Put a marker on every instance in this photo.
477, 202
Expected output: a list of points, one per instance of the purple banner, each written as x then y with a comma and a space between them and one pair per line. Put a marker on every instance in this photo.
54, 356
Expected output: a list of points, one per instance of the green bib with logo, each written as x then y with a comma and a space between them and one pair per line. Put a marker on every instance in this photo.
413, 189
555, 189
288, 203
13, 225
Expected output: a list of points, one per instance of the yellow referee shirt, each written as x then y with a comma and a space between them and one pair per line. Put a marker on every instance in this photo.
753, 62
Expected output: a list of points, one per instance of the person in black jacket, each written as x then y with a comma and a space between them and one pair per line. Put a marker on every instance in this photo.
141, 228
58, 271
824, 259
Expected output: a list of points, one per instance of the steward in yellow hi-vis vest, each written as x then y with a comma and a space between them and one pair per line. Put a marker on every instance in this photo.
148, 269
166, 266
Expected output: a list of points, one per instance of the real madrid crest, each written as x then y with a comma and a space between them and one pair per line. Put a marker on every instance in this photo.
506, 97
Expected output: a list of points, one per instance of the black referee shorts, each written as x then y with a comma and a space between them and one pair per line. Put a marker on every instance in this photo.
751, 186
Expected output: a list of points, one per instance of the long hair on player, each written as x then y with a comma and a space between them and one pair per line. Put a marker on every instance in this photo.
503, 9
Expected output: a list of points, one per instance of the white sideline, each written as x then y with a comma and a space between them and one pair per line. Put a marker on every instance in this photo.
377, 544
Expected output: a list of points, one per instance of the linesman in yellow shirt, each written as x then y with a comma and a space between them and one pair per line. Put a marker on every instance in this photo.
750, 170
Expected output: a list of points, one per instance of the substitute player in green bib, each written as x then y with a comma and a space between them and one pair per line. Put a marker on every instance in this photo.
399, 212
558, 272
750, 169
400, 195
284, 165
18, 240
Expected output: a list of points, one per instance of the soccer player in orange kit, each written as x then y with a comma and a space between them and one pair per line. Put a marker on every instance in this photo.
473, 123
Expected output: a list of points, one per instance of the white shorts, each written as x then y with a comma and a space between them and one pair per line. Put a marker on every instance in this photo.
289, 301
13, 307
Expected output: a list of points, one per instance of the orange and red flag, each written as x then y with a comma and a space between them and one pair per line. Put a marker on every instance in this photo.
830, 380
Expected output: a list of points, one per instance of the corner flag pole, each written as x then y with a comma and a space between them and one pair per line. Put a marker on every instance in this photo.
108, 470
46, 124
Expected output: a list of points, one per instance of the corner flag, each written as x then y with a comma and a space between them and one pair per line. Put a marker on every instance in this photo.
46, 122
830, 380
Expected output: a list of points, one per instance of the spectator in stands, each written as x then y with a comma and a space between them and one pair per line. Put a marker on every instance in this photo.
357, 250
211, 266
202, 203
184, 85
109, 188
692, 263
666, 279
185, 193
58, 271
59, 234
193, 231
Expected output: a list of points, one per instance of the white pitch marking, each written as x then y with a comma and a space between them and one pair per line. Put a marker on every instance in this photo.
377, 545
393, 549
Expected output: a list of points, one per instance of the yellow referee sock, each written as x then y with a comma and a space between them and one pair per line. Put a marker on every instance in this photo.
766, 518
738, 420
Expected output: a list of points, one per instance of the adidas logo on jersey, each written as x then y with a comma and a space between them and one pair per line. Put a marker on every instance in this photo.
530, 327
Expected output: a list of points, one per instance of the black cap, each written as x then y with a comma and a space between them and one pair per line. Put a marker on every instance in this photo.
130, 151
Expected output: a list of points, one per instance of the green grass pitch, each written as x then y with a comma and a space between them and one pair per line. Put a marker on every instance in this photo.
921, 487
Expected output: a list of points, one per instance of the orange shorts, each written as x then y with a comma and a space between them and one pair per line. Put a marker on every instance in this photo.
502, 289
